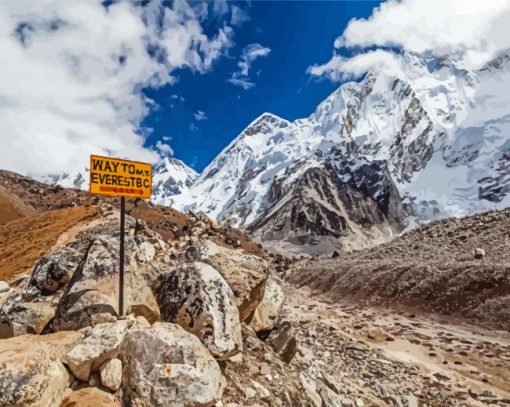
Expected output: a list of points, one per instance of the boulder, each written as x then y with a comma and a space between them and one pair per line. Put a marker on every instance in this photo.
31, 372
283, 341
4, 287
479, 253
245, 274
54, 271
102, 344
94, 286
111, 374
166, 366
266, 314
146, 252
18, 317
90, 397
311, 392
196, 297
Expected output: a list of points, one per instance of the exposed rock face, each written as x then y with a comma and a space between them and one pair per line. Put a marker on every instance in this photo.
180, 373
31, 373
245, 274
90, 397
266, 314
333, 199
102, 344
196, 297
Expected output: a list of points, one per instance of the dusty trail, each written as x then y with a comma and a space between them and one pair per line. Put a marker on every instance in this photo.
397, 358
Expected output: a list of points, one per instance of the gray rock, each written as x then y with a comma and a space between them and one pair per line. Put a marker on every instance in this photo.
111, 374
166, 366
196, 297
282, 339
4, 287
479, 253
31, 372
101, 345
266, 314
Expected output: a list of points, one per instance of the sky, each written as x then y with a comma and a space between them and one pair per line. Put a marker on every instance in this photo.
148, 79
203, 113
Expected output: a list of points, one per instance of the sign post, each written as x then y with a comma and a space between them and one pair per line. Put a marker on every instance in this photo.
122, 178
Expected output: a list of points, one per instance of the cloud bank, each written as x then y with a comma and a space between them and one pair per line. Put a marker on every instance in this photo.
72, 76
475, 30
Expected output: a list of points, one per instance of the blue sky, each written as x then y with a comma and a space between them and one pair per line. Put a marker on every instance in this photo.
299, 34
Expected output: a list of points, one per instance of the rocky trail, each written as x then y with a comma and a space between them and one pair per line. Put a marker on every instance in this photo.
385, 357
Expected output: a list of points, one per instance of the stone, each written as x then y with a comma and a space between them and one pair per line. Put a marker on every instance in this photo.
266, 314
412, 401
196, 297
310, 390
94, 286
283, 341
146, 252
261, 390
356, 346
101, 345
166, 366
4, 287
330, 398
18, 317
111, 374
31, 371
90, 397
246, 274
479, 253
54, 271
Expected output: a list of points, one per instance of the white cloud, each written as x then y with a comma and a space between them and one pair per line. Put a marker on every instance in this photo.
250, 53
341, 68
164, 148
72, 75
475, 30
199, 115
239, 16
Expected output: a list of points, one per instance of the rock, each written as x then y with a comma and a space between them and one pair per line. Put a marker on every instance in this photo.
18, 317
283, 341
266, 314
146, 252
310, 389
4, 287
164, 366
31, 373
245, 274
330, 398
94, 286
479, 253
196, 297
261, 390
412, 401
356, 346
54, 271
90, 397
111, 374
101, 345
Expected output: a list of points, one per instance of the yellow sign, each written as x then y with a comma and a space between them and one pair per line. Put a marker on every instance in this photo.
114, 177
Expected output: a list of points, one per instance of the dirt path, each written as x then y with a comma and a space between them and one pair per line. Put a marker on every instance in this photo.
395, 358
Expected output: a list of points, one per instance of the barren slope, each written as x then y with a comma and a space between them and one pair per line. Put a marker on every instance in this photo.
432, 268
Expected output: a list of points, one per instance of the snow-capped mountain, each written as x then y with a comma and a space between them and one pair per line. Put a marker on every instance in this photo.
170, 177
428, 141
442, 132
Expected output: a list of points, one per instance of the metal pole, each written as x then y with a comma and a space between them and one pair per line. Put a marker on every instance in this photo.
121, 263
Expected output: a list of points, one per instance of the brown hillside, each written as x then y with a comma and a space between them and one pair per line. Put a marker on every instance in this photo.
24, 241
432, 268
